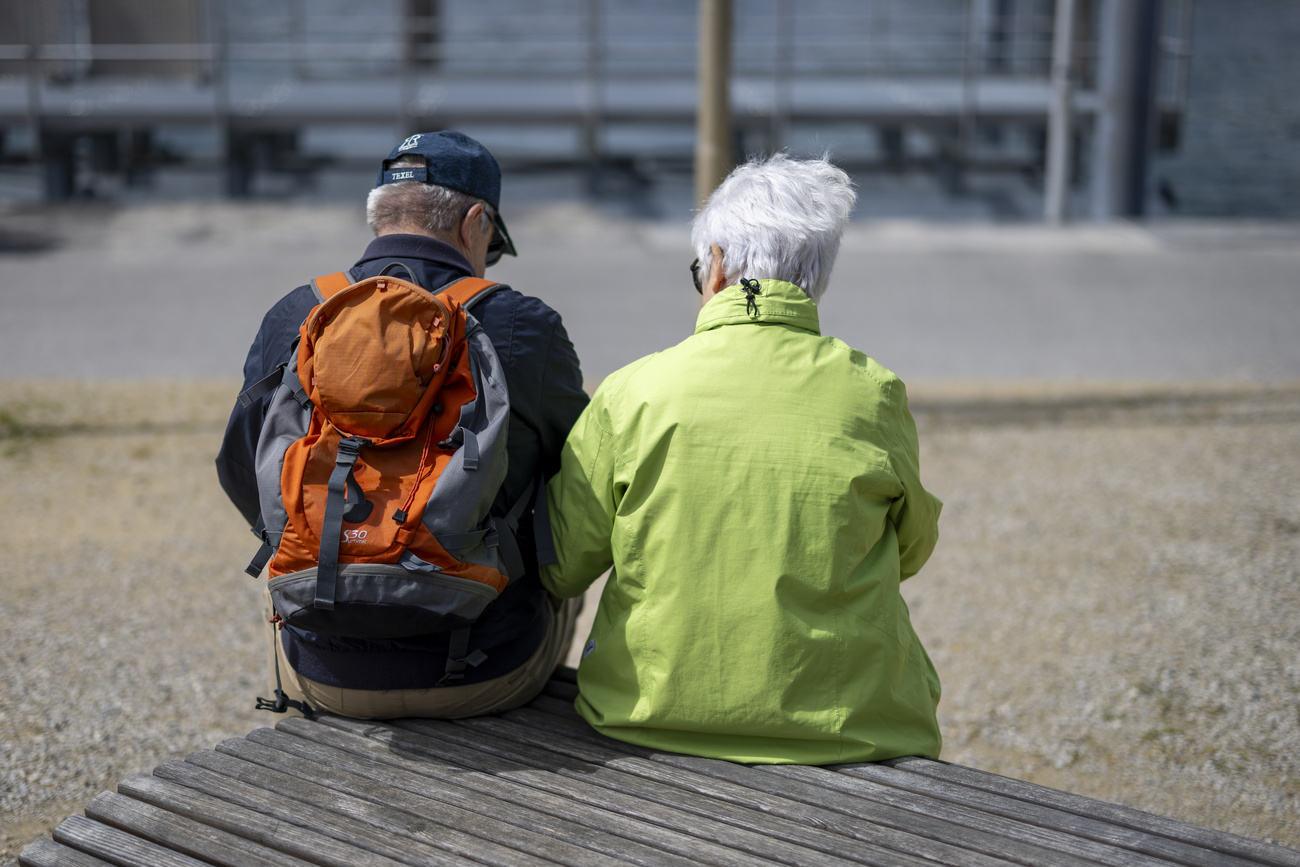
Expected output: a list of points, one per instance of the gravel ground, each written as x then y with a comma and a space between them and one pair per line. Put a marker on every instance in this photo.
1113, 606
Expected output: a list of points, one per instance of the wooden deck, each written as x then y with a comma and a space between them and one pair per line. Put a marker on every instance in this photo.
537, 786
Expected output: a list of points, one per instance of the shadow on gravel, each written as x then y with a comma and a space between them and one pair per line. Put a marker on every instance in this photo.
1159, 408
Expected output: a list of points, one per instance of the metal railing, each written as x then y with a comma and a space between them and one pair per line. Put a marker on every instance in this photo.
560, 37
944, 64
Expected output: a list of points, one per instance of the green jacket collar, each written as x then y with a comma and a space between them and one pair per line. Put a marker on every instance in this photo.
778, 301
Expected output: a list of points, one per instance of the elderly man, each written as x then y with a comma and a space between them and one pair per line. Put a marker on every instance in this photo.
756, 491
435, 210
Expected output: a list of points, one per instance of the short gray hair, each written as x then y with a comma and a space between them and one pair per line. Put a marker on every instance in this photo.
429, 208
777, 218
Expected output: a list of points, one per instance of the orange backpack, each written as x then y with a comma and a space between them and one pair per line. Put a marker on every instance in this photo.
381, 453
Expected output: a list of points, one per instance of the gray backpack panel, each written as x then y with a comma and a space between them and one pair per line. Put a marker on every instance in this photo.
286, 422
457, 512
376, 600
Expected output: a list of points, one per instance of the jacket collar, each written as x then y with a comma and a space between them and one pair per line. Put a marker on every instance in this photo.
429, 256
777, 302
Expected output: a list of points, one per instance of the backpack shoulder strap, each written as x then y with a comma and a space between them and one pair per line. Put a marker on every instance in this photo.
330, 285
467, 291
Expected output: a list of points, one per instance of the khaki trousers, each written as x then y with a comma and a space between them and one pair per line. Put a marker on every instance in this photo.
445, 702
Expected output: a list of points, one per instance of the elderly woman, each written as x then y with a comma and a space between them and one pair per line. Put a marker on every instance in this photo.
756, 491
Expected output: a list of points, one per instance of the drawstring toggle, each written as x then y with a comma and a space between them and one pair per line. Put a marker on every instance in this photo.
751, 288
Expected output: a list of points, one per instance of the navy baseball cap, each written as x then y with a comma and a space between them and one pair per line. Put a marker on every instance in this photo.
453, 160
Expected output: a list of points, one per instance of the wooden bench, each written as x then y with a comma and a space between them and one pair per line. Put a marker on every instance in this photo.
538, 786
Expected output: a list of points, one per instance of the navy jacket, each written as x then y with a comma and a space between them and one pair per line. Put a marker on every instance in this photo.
546, 398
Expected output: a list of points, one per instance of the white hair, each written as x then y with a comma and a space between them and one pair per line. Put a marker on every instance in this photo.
428, 208
777, 218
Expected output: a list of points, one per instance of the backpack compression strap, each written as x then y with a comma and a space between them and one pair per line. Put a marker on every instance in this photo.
330, 285
468, 290
282, 701
342, 483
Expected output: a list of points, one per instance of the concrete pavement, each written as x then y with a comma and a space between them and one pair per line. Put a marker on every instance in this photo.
177, 291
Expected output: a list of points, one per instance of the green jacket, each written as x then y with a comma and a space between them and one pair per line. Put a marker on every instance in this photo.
756, 490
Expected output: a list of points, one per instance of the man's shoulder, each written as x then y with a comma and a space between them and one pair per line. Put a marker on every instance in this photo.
507, 300
277, 332
519, 325
292, 308
528, 336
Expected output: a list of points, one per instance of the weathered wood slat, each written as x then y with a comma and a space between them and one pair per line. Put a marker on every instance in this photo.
560, 689
437, 824
560, 715
1219, 841
556, 715
599, 787
689, 807
117, 846
383, 841
495, 804
559, 706
570, 724
538, 786
996, 838
512, 803
342, 812
526, 805
1047, 817
887, 827
748, 812
856, 787
47, 853
937, 837
256, 826
1190, 841
183, 835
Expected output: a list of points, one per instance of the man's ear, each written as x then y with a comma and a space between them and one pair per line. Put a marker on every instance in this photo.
465, 232
716, 280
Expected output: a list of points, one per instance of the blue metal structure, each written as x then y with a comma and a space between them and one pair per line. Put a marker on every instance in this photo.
575, 81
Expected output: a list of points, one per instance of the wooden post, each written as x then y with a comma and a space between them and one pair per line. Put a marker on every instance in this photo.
782, 75
1060, 119
713, 153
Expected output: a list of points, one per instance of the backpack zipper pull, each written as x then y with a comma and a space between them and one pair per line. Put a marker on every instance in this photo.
401, 514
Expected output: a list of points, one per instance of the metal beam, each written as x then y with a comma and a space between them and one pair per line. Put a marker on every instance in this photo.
1125, 91
1061, 115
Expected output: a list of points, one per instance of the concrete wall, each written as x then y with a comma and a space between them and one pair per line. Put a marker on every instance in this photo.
1240, 150
147, 22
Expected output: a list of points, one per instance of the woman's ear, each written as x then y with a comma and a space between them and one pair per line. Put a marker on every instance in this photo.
716, 280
